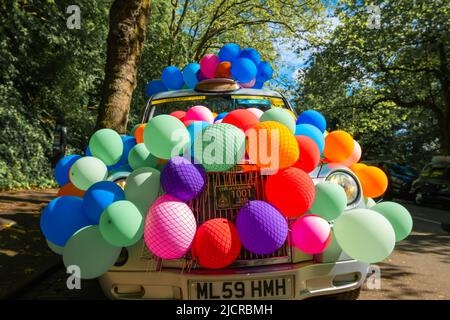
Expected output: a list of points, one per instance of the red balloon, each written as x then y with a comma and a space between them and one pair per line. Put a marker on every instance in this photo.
179, 114
216, 244
241, 118
291, 191
188, 122
309, 154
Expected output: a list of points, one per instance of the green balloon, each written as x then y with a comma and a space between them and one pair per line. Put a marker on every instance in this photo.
90, 252
140, 157
165, 136
106, 145
369, 202
398, 216
142, 188
86, 171
121, 224
219, 147
330, 200
279, 115
55, 248
365, 235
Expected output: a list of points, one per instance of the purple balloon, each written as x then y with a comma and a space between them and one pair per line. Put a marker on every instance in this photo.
182, 179
261, 227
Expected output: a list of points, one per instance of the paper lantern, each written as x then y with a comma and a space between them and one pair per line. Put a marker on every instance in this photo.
165, 136
339, 146
229, 52
140, 157
169, 228
365, 235
257, 112
70, 190
139, 133
265, 135
63, 167
208, 65
216, 244
86, 171
262, 229
172, 78
279, 115
330, 200
314, 118
220, 147
179, 114
398, 216
374, 181
199, 113
309, 156
182, 179
142, 188
223, 70
99, 196
291, 191
311, 234
311, 131
241, 118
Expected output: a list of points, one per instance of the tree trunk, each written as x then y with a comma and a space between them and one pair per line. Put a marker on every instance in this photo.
127, 25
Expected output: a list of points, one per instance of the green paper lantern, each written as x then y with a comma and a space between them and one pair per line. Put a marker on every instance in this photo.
398, 216
121, 224
55, 248
140, 157
330, 201
219, 147
86, 171
90, 252
365, 235
165, 136
142, 188
279, 115
106, 145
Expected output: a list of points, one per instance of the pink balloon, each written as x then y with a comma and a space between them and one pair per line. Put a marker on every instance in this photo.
199, 113
170, 228
208, 65
249, 84
311, 234
354, 158
258, 113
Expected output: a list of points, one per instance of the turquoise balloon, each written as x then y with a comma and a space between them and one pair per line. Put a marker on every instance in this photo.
165, 136
88, 250
140, 157
87, 171
142, 188
121, 224
330, 201
365, 235
279, 115
107, 145
398, 216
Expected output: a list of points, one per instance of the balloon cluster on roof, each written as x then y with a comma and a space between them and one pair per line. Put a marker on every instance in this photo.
242, 65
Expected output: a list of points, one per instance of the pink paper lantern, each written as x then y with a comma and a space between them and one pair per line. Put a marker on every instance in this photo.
170, 228
311, 234
199, 113
258, 113
208, 65
354, 158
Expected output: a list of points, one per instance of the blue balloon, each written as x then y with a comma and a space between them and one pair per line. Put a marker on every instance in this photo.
128, 143
243, 70
220, 116
63, 167
265, 72
190, 75
154, 87
311, 131
88, 152
251, 54
258, 85
98, 197
229, 52
313, 117
172, 78
62, 218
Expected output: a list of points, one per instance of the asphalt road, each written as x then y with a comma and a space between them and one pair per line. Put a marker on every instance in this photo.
417, 269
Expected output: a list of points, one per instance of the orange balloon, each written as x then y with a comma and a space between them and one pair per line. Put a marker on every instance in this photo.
70, 190
223, 70
357, 166
139, 133
339, 146
374, 181
260, 142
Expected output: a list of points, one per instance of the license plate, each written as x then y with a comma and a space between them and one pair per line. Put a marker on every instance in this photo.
270, 288
233, 196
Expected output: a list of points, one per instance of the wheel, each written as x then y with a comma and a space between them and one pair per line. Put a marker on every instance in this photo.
419, 197
348, 295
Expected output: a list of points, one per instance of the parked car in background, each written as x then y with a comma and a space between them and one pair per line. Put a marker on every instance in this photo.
400, 178
433, 184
